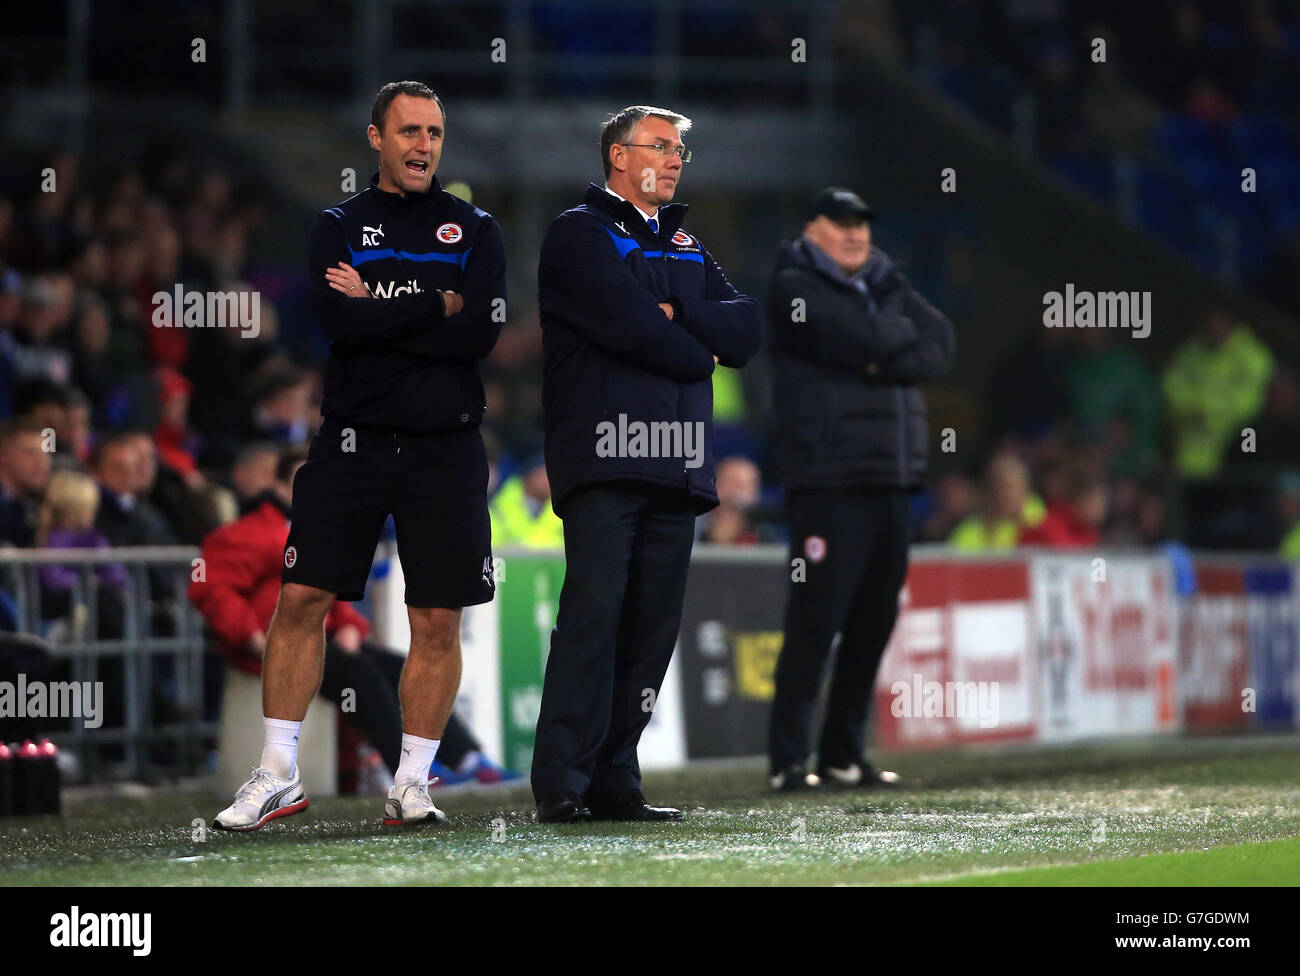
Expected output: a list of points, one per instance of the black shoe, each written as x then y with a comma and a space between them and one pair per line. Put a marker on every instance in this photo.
562, 808
632, 806
860, 775
793, 779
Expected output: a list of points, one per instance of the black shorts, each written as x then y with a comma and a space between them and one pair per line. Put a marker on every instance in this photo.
435, 487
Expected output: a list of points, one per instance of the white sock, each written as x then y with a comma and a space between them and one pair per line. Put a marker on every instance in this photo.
417, 757
280, 752
470, 762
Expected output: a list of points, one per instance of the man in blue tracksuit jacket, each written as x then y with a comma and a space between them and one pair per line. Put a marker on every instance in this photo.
635, 313
408, 283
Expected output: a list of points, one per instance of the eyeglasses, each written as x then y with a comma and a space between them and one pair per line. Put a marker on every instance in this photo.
662, 147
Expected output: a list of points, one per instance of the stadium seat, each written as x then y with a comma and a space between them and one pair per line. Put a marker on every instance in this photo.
1256, 137
1091, 174
240, 743
1183, 136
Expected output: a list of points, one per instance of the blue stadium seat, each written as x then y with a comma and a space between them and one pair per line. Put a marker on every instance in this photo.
1163, 206
1184, 136
1094, 176
1253, 138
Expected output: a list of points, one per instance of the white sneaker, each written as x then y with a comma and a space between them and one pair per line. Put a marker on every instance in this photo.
263, 798
409, 804
856, 775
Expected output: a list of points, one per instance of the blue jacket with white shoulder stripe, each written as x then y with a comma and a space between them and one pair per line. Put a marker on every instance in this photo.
396, 362
626, 390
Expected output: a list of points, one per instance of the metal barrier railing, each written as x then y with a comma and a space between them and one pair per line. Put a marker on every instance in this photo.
158, 640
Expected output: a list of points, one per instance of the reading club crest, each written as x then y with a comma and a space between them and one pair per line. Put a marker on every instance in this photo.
449, 233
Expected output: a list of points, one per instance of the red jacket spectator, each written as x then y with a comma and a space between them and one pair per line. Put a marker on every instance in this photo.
1061, 528
172, 435
242, 566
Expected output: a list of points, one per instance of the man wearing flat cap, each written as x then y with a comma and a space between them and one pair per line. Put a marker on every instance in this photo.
851, 341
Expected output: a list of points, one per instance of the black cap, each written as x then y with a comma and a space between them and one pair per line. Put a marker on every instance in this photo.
837, 203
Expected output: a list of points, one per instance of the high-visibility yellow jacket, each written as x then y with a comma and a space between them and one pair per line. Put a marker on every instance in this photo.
1290, 548
1211, 392
973, 534
514, 524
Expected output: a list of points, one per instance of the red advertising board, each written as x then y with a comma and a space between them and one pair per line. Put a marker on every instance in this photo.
1214, 650
959, 667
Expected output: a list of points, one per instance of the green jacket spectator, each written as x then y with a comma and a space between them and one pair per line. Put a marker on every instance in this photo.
1111, 384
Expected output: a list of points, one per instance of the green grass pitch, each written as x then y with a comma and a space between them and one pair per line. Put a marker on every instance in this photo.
1219, 812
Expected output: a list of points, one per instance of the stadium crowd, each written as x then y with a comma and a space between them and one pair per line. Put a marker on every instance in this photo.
161, 435
1100, 447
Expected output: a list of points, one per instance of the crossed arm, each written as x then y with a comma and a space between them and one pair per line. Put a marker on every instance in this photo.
437, 324
583, 282
905, 340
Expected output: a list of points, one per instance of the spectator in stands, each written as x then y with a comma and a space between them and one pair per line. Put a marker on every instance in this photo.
92, 368
253, 472
43, 402
1277, 428
11, 289
1152, 518
740, 486
186, 502
282, 407
1114, 400
24, 472
1075, 521
67, 521
49, 224
126, 516
34, 353
953, 502
1288, 512
1129, 520
1215, 381
168, 347
65, 410
1214, 386
1007, 507
77, 434
521, 511
237, 595
172, 437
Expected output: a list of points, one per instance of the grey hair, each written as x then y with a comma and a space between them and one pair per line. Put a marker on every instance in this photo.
620, 126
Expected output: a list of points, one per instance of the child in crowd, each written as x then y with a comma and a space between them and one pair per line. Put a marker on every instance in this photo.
67, 521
